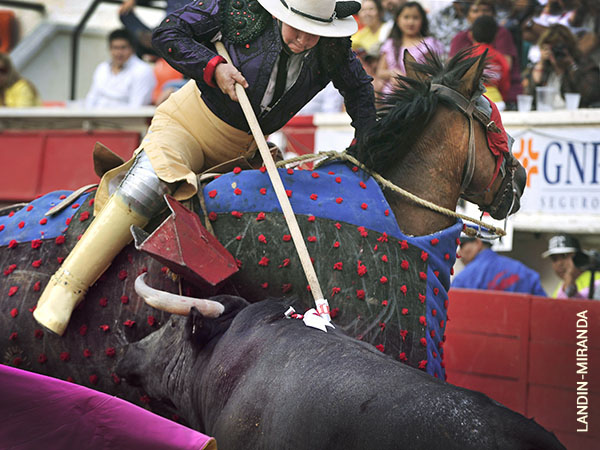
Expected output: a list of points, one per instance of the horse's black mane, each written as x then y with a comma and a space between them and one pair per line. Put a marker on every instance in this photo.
404, 113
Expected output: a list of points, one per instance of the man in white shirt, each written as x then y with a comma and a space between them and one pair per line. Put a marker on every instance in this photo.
125, 81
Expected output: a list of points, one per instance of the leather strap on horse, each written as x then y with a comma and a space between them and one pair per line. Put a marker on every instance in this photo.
286, 207
468, 108
470, 111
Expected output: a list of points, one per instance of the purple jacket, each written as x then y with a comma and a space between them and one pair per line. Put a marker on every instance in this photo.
183, 40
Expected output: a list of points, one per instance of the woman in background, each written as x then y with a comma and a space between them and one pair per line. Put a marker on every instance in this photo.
15, 91
410, 32
374, 31
367, 41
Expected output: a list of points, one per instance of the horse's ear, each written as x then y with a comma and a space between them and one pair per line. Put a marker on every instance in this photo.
409, 62
471, 80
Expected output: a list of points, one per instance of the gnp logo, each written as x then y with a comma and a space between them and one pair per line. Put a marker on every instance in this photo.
528, 159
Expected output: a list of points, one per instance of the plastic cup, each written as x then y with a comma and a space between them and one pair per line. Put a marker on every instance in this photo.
572, 100
545, 98
524, 102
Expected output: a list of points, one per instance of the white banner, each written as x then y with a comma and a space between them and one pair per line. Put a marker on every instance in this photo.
560, 151
563, 169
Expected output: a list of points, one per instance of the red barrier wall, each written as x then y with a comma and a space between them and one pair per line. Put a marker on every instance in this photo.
299, 133
521, 351
36, 162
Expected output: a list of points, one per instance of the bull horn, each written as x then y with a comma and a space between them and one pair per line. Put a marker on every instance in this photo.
176, 304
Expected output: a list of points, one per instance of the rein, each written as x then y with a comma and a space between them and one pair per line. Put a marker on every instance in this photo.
334, 155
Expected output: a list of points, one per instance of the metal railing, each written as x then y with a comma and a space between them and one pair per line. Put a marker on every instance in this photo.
36, 6
77, 35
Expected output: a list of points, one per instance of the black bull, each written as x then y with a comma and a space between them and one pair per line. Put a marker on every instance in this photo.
254, 379
283, 382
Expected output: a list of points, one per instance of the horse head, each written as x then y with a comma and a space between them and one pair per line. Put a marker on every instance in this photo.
440, 138
498, 184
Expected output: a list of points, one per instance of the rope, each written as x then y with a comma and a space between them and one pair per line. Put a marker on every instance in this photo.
333, 155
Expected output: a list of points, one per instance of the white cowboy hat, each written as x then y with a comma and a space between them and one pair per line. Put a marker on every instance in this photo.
318, 17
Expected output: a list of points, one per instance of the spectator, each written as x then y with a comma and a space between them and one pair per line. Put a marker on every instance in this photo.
575, 282
374, 32
589, 42
497, 76
448, 22
554, 12
584, 16
142, 39
367, 41
15, 91
140, 32
503, 10
521, 12
286, 60
168, 88
168, 80
485, 269
390, 9
579, 16
410, 32
563, 67
502, 43
369, 62
123, 81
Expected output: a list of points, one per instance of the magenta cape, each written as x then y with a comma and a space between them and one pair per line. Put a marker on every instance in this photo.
41, 412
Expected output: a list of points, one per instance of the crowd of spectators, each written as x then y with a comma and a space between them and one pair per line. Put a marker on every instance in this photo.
131, 76
554, 43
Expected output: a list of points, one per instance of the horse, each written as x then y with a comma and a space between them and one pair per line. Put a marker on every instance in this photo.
383, 259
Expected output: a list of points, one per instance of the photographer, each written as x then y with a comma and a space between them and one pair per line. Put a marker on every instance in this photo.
562, 66
572, 266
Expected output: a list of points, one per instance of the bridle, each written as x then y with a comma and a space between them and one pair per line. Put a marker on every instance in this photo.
478, 108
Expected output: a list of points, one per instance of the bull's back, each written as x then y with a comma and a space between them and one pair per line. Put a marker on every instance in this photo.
301, 388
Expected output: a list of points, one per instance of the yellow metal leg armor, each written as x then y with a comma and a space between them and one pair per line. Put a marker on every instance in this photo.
138, 197
102, 241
